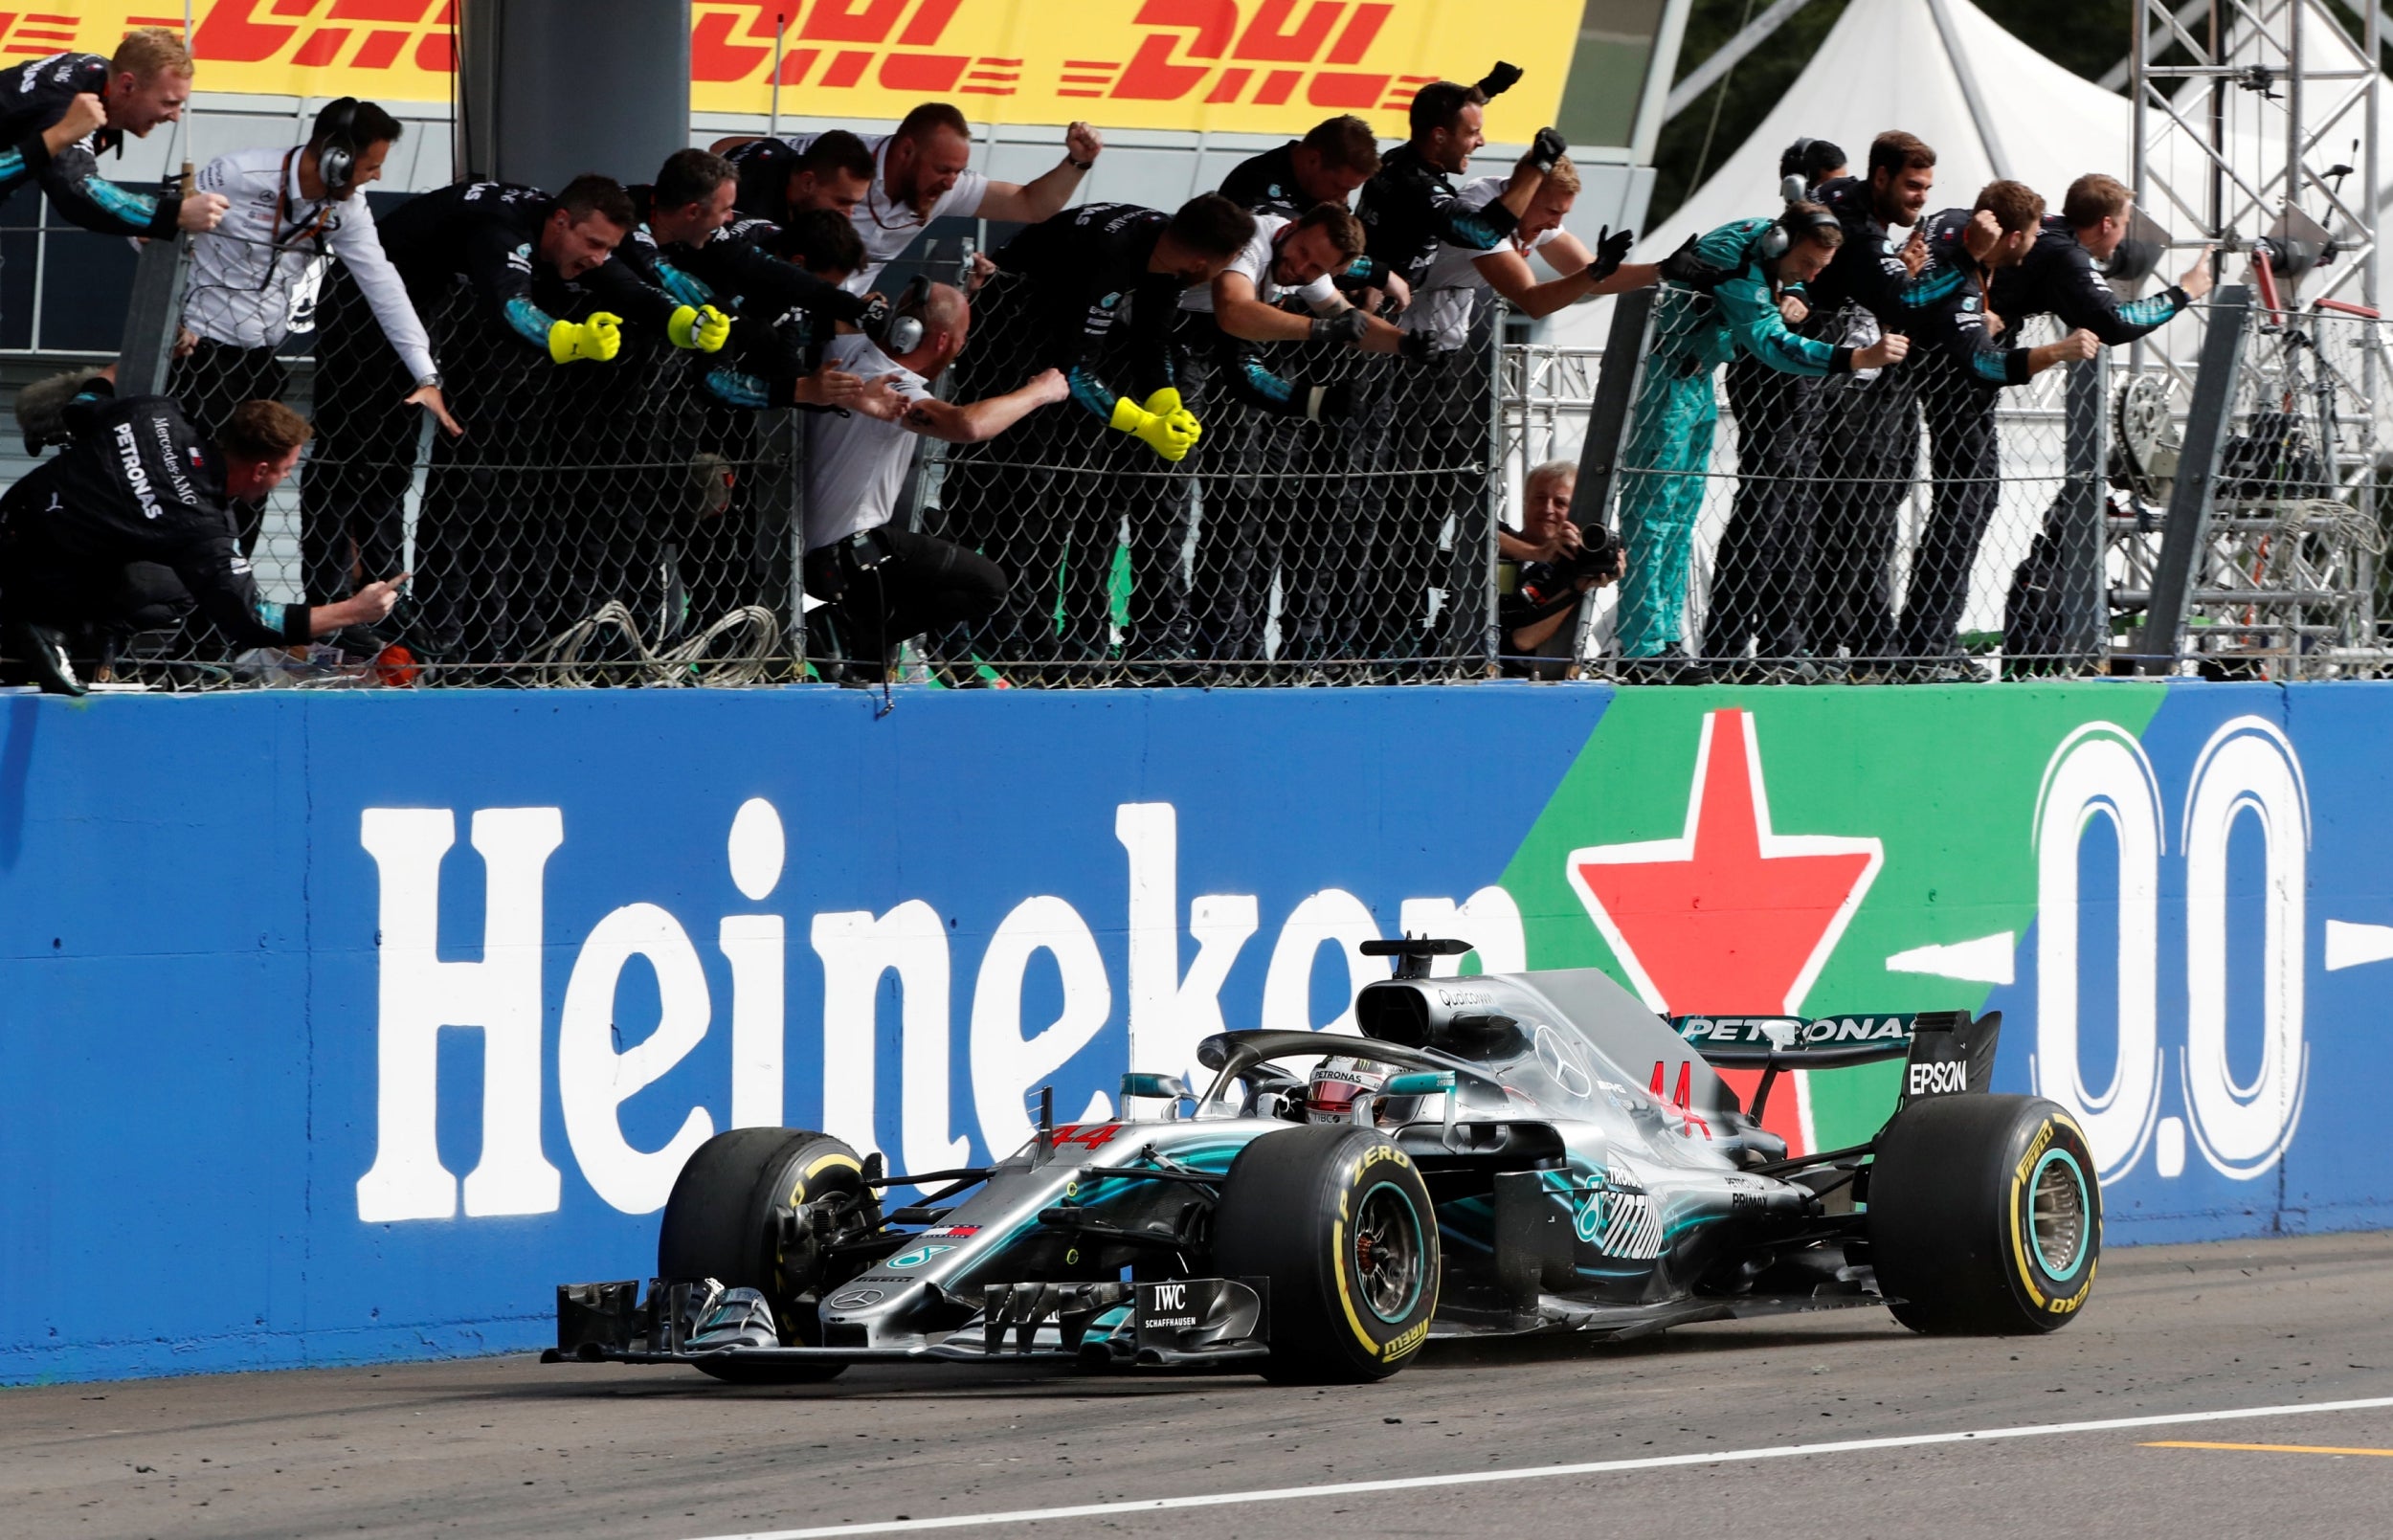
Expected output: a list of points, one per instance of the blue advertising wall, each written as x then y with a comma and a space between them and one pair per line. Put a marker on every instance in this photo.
343, 1027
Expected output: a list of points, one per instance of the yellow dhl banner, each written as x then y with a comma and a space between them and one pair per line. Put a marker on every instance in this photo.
1240, 66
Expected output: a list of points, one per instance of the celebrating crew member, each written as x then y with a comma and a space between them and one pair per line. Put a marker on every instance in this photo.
1092, 292
56, 113
1335, 157
1410, 205
1447, 293
1956, 392
2058, 275
779, 179
922, 173
1868, 428
1700, 322
131, 524
884, 584
1760, 573
287, 212
1242, 538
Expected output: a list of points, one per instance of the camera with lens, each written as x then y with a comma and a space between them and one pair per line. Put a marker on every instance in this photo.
1598, 557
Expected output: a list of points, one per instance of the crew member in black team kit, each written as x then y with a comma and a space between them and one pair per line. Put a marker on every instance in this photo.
1095, 291
132, 524
57, 113
1961, 367
2059, 276
1868, 428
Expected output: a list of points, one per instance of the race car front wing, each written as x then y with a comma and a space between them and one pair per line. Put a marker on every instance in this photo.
1179, 1322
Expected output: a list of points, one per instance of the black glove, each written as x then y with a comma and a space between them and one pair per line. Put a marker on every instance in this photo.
1420, 348
1548, 148
1500, 79
872, 313
1330, 403
1346, 327
1611, 250
1683, 267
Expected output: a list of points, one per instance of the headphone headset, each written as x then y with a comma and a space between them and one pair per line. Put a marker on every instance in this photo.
1780, 235
336, 146
903, 333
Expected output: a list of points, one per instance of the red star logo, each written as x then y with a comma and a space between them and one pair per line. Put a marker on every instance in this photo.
1731, 916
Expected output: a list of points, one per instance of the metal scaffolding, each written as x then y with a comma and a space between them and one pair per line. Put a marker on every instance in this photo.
2257, 126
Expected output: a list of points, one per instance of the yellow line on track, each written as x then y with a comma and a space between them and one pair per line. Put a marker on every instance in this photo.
2274, 1448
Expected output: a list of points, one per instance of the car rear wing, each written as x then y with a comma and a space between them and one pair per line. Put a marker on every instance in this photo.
1947, 1051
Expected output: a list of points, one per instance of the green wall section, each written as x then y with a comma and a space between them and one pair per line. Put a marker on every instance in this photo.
1945, 776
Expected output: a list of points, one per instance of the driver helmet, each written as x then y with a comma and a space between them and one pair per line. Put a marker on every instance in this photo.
1336, 1082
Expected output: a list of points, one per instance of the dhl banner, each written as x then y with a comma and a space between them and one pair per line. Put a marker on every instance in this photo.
1239, 66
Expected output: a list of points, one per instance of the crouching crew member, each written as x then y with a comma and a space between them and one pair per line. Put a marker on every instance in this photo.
132, 525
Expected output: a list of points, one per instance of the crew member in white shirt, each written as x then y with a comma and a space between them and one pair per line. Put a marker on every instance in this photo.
880, 584
922, 173
289, 211
1442, 307
1442, 420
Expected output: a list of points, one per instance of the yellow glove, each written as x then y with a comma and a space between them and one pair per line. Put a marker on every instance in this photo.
1163, 425
704, 328
599, 338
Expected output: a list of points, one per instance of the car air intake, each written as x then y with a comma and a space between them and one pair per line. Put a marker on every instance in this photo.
1393, 1012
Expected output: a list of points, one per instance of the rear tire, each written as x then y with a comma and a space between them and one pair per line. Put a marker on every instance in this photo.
1337, 1218
1985, 1218
723, 1219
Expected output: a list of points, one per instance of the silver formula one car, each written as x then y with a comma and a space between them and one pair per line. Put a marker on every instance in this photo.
1499, 1156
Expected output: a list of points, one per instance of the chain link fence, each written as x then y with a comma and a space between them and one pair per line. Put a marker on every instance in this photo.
618, 524
1353, 548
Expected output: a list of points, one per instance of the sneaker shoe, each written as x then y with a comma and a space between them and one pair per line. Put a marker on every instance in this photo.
44, 649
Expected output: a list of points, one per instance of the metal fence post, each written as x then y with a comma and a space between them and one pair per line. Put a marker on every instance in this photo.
1491, 633
2190, 497
2083, 629
152, 315
1607, 412
1607, 424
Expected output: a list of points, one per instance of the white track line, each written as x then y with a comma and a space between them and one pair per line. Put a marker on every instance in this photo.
1595, 1467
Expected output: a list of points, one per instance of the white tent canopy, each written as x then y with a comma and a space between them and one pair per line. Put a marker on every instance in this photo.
1889, 65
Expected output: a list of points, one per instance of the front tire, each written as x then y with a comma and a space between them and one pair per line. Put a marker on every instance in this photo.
1337, 1218
727, 1217
1985, 1218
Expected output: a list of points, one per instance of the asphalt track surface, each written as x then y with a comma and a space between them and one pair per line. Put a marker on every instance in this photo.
2264, 1330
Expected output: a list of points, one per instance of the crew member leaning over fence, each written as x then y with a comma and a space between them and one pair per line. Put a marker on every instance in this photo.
527, 260
779, 179
1964, 369
1443, 414
923, 174
1723, 298
130, 527
290, 211
2058, 277
49, 133
1249, 528
1102, 282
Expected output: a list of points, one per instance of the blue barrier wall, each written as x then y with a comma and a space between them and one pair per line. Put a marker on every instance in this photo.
344, 1026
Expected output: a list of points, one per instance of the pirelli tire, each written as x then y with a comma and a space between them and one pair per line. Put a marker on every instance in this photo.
1337, 1218
1985, 1218
728, 1219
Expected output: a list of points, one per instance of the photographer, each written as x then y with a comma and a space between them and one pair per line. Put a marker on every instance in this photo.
132, 525
1548, 570
883, 585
